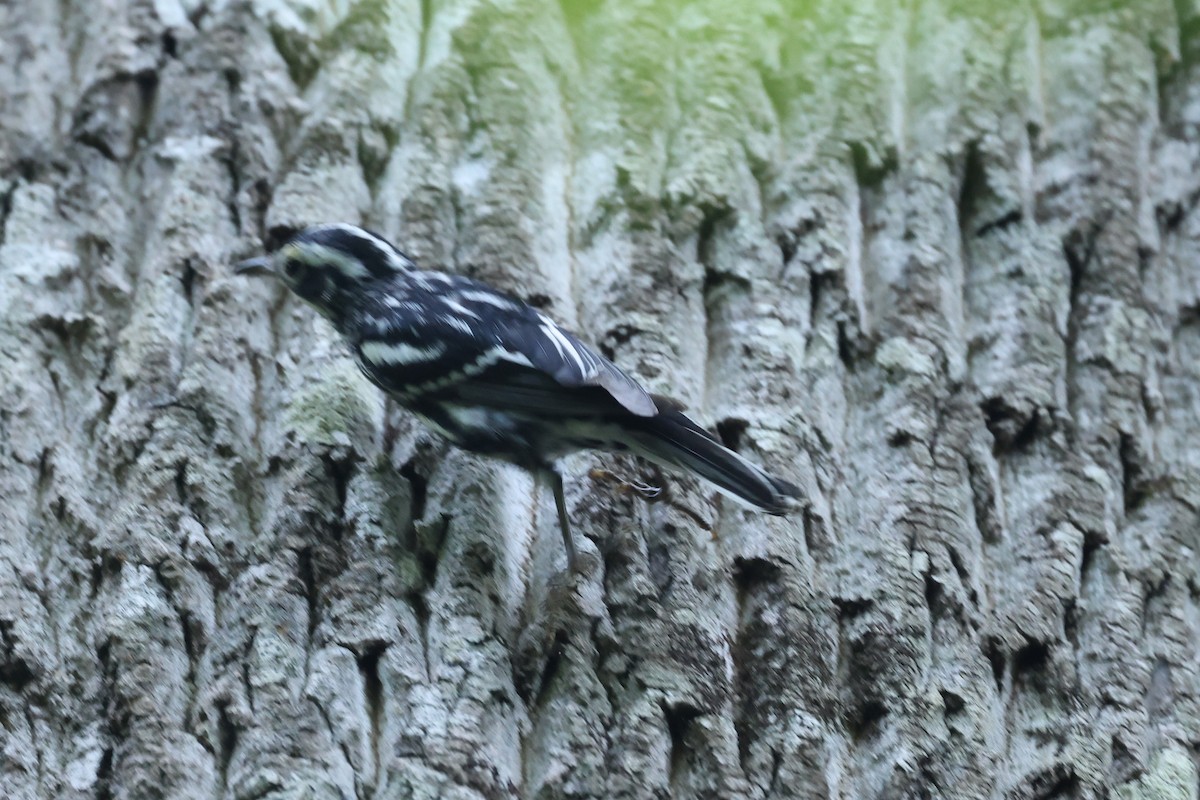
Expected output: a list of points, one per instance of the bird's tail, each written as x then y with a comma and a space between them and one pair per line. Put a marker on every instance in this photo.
671, 439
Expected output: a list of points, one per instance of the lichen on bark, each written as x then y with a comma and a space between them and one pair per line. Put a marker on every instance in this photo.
936, 263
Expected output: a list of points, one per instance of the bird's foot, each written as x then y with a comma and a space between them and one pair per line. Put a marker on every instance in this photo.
644, 490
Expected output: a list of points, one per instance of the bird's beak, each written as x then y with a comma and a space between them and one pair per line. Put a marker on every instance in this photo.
254, 266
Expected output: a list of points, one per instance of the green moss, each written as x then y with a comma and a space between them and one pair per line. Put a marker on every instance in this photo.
339, 406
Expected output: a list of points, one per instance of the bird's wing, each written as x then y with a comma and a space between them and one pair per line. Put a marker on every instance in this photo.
462, 338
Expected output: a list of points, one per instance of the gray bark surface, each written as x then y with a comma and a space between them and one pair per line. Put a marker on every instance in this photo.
936, 262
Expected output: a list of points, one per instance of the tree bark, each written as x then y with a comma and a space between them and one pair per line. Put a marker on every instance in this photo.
938, 263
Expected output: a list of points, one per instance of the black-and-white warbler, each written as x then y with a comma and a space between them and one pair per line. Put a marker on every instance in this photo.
493, 374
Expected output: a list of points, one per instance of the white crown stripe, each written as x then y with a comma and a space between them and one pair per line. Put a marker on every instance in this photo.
396, 260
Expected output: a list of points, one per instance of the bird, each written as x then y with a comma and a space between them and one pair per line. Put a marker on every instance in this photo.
493, 374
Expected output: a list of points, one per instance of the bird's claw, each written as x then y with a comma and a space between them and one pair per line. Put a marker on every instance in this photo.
643, 490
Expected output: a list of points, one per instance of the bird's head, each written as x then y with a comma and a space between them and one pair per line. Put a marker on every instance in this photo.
329, 265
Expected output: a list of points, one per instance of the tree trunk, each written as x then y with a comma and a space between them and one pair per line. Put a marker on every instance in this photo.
937, 263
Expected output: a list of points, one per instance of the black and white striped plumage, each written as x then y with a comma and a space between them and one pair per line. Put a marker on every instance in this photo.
492, 374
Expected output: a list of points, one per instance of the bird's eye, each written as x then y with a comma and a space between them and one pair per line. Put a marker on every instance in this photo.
291, 267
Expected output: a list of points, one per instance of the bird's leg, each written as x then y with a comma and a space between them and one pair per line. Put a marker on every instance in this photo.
564, 523
643, 490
